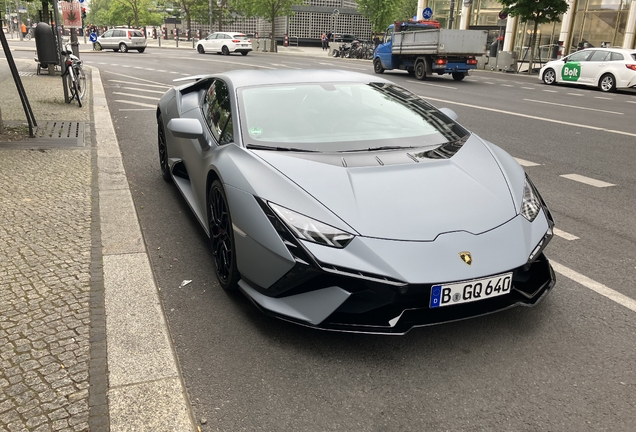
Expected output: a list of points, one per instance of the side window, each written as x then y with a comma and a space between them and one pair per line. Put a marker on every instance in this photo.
217, 112
599, 56
579, 56
617, 57
119, 33
212, 36
109, 33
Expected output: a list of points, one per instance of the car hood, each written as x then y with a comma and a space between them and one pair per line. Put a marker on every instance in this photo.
413, 201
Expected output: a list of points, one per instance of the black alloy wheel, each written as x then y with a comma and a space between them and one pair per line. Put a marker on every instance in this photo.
225, 50
200, 49
244, 53
222, 238
163, 151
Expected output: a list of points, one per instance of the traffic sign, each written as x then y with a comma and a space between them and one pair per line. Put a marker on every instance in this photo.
93, 37
427, 13
503, 15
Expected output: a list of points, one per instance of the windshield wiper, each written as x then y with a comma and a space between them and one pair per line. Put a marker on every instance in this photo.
381, 148
264, 147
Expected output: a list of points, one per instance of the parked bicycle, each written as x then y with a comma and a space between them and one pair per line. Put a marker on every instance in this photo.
28, 35
75, 78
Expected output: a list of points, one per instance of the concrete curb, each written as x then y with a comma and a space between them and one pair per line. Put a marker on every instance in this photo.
146, 391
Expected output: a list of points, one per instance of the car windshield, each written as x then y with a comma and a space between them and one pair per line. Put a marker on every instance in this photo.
136, 33
338, 117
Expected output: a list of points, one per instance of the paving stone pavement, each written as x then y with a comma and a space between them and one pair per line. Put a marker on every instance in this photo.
45, 257
46, 264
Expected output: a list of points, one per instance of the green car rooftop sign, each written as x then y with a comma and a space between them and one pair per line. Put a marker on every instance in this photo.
571, 71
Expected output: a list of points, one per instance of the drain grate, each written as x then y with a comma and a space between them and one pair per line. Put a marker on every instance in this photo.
25, 73
59, 134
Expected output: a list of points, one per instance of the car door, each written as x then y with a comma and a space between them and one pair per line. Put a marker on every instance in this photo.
571, 68
106, 39
594, 67
208, 42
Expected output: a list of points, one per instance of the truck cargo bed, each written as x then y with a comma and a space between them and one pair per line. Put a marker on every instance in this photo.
440, 42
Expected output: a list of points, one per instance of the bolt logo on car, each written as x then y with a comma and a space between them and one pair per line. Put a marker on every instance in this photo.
466, 257
571, 72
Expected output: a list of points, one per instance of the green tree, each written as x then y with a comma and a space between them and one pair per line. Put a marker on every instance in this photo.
539, 11
267, 9
381, 13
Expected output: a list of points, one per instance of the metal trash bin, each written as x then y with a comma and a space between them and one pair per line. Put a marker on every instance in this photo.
45, 46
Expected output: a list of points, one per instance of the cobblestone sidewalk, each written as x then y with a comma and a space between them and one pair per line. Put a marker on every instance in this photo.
45, 263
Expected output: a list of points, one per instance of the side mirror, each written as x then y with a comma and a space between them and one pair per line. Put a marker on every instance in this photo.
188, 129
449, 113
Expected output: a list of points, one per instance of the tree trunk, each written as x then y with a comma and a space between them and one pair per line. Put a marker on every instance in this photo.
532, 42
45, 11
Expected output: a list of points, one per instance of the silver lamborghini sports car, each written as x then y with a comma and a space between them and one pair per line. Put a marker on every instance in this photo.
343, 201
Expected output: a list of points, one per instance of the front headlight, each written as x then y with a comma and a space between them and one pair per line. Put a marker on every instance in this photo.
531, 204
312, 230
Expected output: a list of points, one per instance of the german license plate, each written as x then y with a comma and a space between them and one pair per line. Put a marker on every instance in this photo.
470, 291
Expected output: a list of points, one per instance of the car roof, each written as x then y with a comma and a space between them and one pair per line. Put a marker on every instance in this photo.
247, 78
613, 49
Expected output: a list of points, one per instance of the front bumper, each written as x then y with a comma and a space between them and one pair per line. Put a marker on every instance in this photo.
367, 306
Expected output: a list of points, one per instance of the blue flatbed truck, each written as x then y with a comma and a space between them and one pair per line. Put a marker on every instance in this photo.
421, 49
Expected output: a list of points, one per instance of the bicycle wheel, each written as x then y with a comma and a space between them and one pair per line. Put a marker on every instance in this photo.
73, 88
81, 81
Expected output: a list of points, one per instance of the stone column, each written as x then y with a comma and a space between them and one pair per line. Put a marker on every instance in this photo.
420, 9
467, 9
566, 26
511, 30
628, 41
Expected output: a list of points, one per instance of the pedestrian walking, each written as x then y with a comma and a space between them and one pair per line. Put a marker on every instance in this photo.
323, 38
23, 29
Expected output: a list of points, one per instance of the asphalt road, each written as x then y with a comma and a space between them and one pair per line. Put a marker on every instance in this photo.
568, 364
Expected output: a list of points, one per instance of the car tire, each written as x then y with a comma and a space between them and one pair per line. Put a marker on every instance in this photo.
225, 50
123, 47
222, 238
458, 76
377, 66
549, 77
607, 83
98, 46
244, 53
420, 70
141, 50
200, 49
115, 49
163, 151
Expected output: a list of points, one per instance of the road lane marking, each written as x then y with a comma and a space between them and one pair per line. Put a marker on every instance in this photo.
138, 109
137, 104
138, 79
284, 65
575, 94
137, 96
526, 163
551, 91
604, 98
574, 106
564, 235
230, 62
634, 102
143, 90
587, 180
507, 85
488, 82
597, 287
528, 88
446, 101
138, 67
433, 85
141, 84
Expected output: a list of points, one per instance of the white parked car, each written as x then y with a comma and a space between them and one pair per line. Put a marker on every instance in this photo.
226, 43
605, 68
